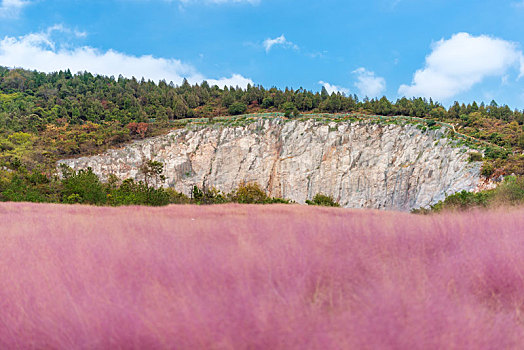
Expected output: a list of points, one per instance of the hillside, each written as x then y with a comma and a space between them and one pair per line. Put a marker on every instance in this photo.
359, 163
66, 114
48, 117
273, 277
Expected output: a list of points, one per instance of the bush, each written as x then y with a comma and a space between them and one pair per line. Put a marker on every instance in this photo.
323, 200
207, 196
290, 109
475, 157
19, 189
463, 200
138, 193
176, 197
487, 169
20, 138
249, 194
83, 186
511, 191
267, 102
244, 193
496, 152
138, 129
237, 108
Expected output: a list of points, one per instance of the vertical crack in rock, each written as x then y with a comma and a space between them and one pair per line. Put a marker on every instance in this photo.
359, 164
275, 164
205, 183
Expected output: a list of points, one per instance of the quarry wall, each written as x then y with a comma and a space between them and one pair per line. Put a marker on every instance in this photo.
360, 164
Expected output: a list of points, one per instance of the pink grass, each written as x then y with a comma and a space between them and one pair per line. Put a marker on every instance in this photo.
259, 277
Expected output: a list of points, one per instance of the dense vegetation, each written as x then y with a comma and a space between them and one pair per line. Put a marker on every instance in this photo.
84, 187
509, 192
45, 117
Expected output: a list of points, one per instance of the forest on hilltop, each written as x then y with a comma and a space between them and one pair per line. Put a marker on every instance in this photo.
48, 116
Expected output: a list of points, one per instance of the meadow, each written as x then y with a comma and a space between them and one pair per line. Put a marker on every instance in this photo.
259, 277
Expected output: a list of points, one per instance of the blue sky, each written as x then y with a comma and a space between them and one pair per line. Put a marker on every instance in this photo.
446, 49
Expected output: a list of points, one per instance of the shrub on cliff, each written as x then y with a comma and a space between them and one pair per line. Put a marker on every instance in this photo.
475, 157
496, 152
487, 169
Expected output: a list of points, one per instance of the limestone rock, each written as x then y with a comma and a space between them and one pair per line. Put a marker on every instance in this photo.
359, 164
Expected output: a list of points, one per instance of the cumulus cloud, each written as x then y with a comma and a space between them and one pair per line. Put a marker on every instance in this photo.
281, 41
11, 8
368, 84
334, 88
39, 52
234, 80
456, 64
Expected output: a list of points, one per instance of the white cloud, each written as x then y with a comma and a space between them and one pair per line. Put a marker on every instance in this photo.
281, 40
235, 80
11, 8
456, 64
39, 52
368, 84
334, 88
61, 28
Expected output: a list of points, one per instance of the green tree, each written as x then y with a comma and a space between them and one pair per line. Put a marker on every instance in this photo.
289, 109
152, 170
237, 108
249, 194
138, 193
82, 186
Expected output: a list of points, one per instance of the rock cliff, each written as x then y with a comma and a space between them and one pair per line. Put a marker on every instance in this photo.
359, 164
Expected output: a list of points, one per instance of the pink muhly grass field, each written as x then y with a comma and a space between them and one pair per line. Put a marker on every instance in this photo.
259, 277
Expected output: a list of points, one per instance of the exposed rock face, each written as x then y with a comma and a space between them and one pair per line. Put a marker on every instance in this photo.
359, 164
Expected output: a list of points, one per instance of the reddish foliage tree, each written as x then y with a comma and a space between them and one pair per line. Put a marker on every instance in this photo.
138, 129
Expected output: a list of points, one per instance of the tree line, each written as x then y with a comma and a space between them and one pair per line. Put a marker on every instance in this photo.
30, 100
